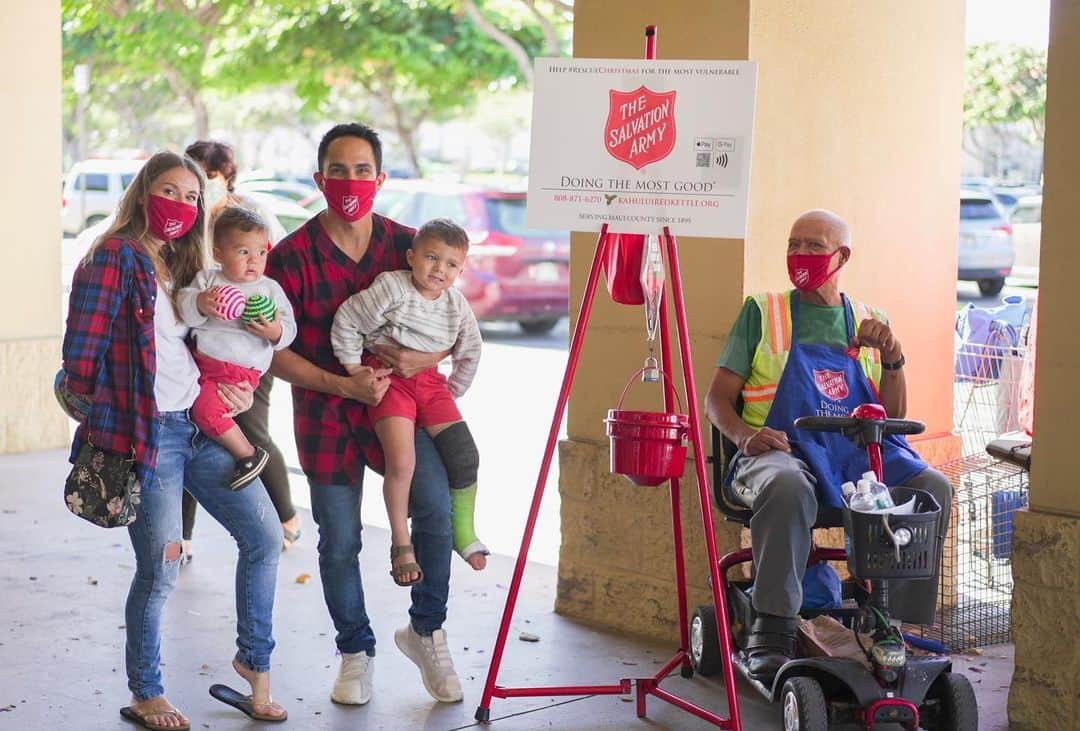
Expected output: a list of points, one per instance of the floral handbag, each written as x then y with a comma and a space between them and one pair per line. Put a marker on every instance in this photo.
102, 487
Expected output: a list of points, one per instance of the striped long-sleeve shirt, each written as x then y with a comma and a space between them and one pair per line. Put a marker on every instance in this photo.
392, 311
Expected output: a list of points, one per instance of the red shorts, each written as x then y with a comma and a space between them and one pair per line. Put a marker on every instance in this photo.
208, 411
424, 399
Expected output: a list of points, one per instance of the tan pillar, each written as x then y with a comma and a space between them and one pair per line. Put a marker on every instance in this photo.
1045, 692
30, 295
858, 110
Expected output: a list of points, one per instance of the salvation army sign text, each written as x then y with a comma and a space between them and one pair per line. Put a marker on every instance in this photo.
641, 145
640, 126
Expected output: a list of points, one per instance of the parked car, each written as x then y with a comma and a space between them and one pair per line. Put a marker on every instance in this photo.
289, 189
513, 273
986, 251
92, 188
1026, 220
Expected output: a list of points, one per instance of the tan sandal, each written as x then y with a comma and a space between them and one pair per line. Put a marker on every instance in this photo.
400, 571
143, 719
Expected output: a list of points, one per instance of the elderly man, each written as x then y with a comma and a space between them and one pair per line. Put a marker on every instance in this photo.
810, 351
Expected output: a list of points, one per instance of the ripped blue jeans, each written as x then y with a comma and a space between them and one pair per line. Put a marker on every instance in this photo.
189, 459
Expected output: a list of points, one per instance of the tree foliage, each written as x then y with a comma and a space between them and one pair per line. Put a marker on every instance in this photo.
160, 46
403, 61
397, 63
1004, 100
1006, 84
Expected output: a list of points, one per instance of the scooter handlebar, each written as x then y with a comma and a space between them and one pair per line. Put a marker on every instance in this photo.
848, 424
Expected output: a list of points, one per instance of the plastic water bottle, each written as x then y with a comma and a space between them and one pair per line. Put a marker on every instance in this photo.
847, 490
879, 493
861, 500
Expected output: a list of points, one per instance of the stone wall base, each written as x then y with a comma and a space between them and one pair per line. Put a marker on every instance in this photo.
30, 418
1045, 621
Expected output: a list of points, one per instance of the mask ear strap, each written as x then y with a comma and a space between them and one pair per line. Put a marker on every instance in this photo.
838, 266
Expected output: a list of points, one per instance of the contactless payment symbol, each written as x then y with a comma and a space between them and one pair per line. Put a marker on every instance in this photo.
640, 128
351, 204
832, 384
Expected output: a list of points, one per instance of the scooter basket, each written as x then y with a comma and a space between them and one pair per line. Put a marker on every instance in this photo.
872, 554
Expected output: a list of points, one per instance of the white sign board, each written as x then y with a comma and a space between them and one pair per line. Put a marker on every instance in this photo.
641, 145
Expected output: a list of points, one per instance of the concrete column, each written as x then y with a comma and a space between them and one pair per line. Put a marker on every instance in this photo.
858, 110
30, 295
1045, 691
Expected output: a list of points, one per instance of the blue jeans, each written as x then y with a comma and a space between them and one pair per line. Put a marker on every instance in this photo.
188, 458
336, 510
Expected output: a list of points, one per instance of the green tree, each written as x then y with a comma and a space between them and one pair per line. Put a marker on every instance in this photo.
404, 62
553, 17
161, 47
1004, 97
160, 66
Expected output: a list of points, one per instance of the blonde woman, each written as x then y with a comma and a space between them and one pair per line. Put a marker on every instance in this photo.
124, 293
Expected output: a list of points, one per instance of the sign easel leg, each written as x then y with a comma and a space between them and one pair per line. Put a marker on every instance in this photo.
483, 712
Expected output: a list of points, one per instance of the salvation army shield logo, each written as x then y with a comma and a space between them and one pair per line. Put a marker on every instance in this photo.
640, 128
802, 276
832, 384
351, 204
172, 228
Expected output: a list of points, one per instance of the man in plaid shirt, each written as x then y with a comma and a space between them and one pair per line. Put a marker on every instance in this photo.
331, 257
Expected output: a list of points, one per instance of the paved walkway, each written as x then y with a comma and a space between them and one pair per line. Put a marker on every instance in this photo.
62, 589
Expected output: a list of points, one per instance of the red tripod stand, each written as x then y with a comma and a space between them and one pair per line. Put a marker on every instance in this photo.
646, 686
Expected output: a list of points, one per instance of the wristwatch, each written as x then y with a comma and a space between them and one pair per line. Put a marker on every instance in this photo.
894, 366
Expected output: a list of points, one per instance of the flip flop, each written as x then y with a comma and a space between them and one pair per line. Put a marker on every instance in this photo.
240, 702
129, 714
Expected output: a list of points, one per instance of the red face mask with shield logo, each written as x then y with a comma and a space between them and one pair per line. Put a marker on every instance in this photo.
169, 219
809, 271
349, 199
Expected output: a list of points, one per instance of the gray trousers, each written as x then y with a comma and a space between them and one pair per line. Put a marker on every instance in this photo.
780, 490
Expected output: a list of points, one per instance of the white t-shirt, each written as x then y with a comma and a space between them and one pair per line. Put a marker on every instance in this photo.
177, 381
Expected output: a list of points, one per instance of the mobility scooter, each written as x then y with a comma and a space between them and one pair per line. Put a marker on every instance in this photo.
915, 691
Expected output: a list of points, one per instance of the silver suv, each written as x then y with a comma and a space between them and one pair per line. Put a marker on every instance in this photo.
986, 242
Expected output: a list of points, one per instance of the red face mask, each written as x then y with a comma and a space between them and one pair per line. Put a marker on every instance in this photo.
350, 199
169, 219
809, 271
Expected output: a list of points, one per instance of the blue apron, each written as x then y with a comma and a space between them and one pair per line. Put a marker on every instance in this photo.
822, 380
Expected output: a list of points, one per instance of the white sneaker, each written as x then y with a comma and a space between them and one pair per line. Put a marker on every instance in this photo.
432, 656
353, 684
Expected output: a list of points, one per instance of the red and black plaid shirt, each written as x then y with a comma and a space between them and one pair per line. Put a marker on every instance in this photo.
332, 433
115, 288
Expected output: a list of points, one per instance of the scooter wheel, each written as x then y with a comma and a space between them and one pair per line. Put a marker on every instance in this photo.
804, 705
954, 707
705, 642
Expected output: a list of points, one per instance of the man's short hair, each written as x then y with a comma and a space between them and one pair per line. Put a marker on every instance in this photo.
351, 129
235, 218
446, 231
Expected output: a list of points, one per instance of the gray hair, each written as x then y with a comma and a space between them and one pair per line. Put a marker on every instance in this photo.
837, 225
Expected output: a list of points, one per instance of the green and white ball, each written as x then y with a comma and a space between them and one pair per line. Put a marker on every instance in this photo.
258, 305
